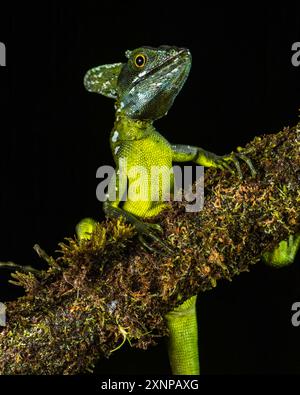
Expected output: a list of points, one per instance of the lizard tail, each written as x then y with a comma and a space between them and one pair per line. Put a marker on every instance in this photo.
183, 338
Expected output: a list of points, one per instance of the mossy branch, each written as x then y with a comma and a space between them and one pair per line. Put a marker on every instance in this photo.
102, 292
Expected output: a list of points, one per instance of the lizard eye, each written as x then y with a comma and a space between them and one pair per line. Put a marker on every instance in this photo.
140, 60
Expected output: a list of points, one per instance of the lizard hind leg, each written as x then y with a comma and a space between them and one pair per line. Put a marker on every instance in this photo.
85, 228
284, 254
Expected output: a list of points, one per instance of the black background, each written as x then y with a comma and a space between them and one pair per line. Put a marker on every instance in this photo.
54, 135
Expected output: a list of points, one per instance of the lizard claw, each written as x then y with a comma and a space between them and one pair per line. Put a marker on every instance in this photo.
233, 158
222, 162
150, 230
144, 229
145, 245
156, 227
249, 163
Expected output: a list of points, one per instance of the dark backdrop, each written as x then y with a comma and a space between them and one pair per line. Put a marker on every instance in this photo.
54, 135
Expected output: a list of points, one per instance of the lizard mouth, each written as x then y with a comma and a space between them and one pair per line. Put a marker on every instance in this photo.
183, 54
181, 61
176, 66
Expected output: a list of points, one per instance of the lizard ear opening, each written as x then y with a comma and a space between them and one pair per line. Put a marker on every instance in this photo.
103, 79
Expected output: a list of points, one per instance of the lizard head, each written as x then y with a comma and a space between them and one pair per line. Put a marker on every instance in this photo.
151, 79
145, 87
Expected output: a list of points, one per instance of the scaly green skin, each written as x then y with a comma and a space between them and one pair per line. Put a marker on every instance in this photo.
144, 89
285, 253
183, 338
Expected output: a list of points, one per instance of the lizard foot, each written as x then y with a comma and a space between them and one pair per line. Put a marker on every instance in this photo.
85, 228
150, 230
285, 253
144, 229
222, 162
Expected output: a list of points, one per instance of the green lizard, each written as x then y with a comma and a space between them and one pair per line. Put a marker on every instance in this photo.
144, 89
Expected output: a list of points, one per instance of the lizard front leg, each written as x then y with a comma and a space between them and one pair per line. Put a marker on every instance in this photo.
187, 153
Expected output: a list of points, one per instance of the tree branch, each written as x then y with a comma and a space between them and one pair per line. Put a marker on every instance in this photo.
107, 290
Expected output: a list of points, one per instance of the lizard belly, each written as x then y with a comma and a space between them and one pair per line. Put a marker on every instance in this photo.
150, 180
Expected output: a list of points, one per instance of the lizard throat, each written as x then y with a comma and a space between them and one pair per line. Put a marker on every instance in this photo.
131, 129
